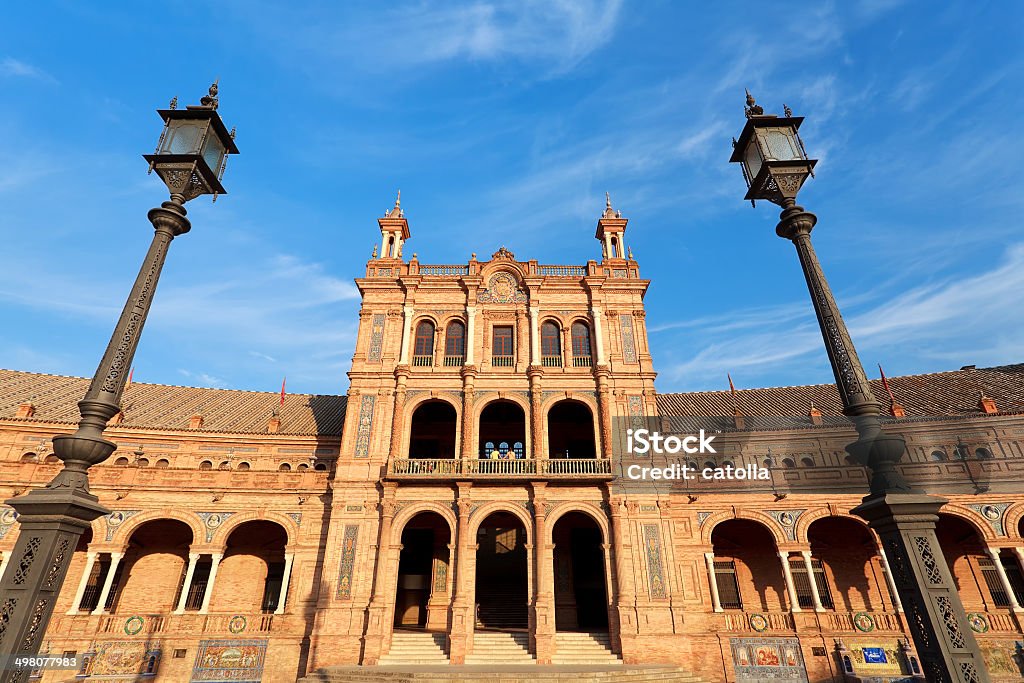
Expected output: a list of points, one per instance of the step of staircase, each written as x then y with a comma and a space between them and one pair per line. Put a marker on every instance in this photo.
416, 647
506, 674
584, 648
500, 648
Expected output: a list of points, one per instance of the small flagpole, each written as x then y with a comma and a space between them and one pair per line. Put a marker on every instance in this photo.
283, 381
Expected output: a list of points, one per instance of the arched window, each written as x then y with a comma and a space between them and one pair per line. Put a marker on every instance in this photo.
518, 449
768, 463
550, 345
938, 455
390, 250
423, 347
243, 467
206, 465
788, 462
28, 457
581, 345
163, 463
807, 462
285, 467
455, 344
615, 248
142, 462
225, 465
320, 467
983, 453
121, 462
708, 464
302, 466
51, 459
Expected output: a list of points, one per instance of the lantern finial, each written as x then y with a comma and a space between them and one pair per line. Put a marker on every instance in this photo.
210, 101
752, 108
786, 111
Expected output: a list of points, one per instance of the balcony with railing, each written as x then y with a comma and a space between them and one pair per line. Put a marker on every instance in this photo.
422, 361
503, 361
500, 468
582, 361
551, 361
454, 361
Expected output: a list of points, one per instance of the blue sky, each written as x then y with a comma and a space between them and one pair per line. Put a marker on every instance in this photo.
504, 124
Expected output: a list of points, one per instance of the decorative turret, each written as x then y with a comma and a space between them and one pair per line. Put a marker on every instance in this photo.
394, 230
611, 228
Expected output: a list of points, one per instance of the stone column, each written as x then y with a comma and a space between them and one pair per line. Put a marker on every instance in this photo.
470, 335
282, 597
544, 580
115, 559
208, 594
716, 601
469, 440
76, 604
818, 607
626, 595
189, 572
398, 415
522, 341
604, 416
407, 313
534, 335
463, 609
378, 627
993, 553
794, 599
567, 357
887, 571
599, 350
538, 445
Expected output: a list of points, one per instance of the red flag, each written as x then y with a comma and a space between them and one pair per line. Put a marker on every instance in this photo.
128, 384
283, 380
885, 383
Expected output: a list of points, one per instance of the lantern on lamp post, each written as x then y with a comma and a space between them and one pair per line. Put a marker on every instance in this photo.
190, 159
775, 166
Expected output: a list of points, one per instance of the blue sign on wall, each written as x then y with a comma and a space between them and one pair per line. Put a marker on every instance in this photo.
874, 655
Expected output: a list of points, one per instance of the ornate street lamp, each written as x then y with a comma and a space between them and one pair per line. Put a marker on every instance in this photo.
775, 166
190, 160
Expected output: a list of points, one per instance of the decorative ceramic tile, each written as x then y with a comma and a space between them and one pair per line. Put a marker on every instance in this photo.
212, 521
7, 519
348, 561
120, 659
703, 517
238, 661
993, 514
116, 519
376, 336
296, 517
365, 425
655, 566
628, 343
757, 660
787, 520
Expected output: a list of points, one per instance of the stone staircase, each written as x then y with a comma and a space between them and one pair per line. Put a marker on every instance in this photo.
509, 674
584, 648
500, 648
416, 647
502, 606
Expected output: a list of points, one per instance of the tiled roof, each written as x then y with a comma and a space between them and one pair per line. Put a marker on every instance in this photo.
158, 406
933, 395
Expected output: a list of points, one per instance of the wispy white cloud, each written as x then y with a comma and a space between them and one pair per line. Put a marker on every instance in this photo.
16, 68
202, 379
956, 320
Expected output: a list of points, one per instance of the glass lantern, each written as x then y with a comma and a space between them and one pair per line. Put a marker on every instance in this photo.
773, 159
193, 149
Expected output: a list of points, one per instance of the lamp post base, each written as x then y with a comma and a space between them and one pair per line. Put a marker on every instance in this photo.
906, 524
52, 520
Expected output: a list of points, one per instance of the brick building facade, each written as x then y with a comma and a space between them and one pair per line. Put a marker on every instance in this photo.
465, 491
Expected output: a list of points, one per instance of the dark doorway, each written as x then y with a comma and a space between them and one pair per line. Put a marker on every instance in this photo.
581, 601
501, 573
422, 590
571, 431
502, 429
433, 429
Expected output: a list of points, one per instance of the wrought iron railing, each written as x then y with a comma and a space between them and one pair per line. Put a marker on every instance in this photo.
423, 361
551, 361
454, 361
582, 361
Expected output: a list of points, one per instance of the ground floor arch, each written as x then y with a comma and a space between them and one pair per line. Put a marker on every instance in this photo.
252, 569
424, 569
581, 597
502, 573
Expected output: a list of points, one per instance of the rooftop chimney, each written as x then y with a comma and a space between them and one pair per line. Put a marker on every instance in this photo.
25, 410
195, 422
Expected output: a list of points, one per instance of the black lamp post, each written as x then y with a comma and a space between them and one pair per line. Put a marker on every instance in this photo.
190, 159
775, 166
